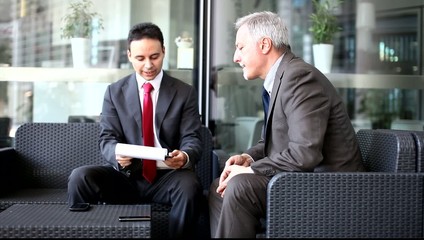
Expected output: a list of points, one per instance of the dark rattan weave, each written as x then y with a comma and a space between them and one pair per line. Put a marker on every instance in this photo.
44, 156
36, 170
49, 151
345, 205
418, 137
56, 221
419, 141
34, 195
386, 202
387, 151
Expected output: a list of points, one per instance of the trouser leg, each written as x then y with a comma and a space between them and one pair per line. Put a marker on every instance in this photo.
183, 190
96, 184
237, 214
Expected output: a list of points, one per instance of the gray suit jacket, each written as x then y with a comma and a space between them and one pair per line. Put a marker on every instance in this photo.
308, 128
177, 117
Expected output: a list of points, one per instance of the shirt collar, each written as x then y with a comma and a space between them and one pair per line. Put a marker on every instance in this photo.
155, 82
269, 79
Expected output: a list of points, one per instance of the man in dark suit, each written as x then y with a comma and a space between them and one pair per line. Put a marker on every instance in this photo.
176, 128
307, 128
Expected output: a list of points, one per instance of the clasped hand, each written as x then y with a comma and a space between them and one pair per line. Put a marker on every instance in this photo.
235, 165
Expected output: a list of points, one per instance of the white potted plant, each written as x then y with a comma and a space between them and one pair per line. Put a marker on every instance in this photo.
79, 24
324, 27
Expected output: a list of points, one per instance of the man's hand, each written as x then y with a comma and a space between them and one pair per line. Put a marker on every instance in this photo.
123, 161
242, 160
229, 172
176, 160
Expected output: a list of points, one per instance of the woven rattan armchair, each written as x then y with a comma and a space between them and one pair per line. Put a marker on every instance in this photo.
384, 202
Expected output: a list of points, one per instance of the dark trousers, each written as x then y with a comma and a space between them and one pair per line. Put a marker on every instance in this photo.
238, 213
179, 188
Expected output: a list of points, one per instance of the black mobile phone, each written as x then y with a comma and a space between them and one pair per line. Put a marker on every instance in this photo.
80, 207
134, 218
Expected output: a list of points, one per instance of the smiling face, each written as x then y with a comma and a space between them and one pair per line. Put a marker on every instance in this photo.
248, 55
146, 56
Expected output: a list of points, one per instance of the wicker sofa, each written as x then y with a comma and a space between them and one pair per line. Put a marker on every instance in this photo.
36, 169
384, 202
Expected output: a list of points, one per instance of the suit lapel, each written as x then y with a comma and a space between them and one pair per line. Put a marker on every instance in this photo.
129, 90
166, 94
288, 56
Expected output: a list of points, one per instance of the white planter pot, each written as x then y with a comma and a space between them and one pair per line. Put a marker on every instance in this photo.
81, 52
323, 56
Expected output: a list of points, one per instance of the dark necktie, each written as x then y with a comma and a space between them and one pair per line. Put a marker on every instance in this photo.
149, 166
265, 102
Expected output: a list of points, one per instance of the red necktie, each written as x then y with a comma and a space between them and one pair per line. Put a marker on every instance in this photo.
149, 166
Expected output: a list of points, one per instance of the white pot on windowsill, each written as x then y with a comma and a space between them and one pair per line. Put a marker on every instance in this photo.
81, 52
323, 56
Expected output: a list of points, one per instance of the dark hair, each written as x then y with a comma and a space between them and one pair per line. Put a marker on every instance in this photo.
145, 30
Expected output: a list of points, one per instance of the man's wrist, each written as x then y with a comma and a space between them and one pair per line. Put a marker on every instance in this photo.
187, 160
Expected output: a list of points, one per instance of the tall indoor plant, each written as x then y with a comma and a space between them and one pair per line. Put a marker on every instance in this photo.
381, 106
324, 26
79, 24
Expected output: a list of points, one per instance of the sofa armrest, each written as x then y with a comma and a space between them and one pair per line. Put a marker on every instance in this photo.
387, 150
220, 157
345, 205
9, 180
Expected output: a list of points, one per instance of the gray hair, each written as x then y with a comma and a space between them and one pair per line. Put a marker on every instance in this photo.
266, 24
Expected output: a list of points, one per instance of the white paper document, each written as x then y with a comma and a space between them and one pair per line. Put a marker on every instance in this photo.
143, 152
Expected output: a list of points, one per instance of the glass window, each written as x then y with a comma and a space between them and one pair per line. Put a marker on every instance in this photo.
377, 64
379, 52
42, 81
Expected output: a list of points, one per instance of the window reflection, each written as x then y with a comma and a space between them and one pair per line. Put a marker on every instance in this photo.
364, 66
30, 39
38, 79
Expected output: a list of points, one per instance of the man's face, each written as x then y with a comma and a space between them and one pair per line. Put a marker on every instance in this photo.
248, 54
146, 56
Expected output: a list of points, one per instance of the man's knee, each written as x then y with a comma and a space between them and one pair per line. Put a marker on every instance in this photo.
79, 175
239, 185
78, 172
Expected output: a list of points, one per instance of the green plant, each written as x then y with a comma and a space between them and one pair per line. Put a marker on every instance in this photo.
381, 106
324, 22
78, 22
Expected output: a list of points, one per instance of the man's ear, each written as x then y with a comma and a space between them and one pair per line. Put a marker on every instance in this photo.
265, 45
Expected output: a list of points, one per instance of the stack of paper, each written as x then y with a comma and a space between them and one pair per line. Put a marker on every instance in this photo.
143, 152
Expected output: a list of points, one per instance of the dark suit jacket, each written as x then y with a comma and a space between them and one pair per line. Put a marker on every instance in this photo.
177, 117
308, 128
